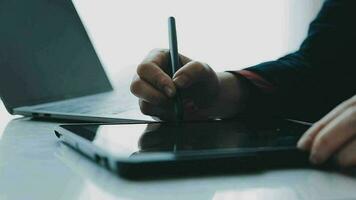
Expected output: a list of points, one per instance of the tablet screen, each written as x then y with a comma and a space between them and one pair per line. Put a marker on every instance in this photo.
139, 139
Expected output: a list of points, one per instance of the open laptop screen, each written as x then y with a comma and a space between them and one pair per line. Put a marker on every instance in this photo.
46, 54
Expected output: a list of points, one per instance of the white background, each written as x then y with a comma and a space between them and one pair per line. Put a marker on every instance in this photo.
226, 34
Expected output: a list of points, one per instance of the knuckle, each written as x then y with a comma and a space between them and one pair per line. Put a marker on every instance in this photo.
198, 65
320, 124
163, 51
162, 80
135, 86
202, 67
159, 50
159, 81
158, 53
142, 68
308, 137
323, 142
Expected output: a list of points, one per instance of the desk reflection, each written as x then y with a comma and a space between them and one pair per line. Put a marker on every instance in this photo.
33, 165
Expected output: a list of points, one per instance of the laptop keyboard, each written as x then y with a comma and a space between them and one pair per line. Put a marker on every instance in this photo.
110, 103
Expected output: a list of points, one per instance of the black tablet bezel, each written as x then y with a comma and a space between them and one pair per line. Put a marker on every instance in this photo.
207, 161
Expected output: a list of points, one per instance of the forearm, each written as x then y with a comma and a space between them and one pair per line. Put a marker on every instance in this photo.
311, 81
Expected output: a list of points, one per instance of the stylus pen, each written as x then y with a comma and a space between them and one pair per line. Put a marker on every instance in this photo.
175, 64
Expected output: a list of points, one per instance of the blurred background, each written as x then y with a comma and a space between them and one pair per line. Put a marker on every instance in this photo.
226, 34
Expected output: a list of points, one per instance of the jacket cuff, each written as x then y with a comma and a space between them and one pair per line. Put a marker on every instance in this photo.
261, 83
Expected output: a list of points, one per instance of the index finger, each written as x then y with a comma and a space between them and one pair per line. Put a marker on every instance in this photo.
333, 136
160, 57
305, 142
154, 69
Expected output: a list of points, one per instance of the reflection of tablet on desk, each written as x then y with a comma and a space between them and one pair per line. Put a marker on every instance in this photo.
136, 150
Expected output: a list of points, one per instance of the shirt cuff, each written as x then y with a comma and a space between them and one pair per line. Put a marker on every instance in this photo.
262, 84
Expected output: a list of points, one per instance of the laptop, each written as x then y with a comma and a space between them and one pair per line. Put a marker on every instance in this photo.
49, 67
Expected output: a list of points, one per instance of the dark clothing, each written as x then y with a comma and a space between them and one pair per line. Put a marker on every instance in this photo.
321, 74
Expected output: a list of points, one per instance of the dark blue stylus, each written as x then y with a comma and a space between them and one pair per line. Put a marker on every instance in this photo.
175, 64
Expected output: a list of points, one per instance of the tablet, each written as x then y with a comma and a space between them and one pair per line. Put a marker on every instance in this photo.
157, 148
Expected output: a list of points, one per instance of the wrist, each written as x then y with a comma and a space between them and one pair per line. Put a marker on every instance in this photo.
233, 95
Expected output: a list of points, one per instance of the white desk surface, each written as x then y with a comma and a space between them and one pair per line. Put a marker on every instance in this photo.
34, 165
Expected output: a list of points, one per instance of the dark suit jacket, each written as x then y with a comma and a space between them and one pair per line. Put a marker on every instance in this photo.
321, 74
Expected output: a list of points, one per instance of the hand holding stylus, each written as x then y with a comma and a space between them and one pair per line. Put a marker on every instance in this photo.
205, 94
173, 87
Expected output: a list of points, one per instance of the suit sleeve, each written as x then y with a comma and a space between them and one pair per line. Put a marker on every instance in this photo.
321, 74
